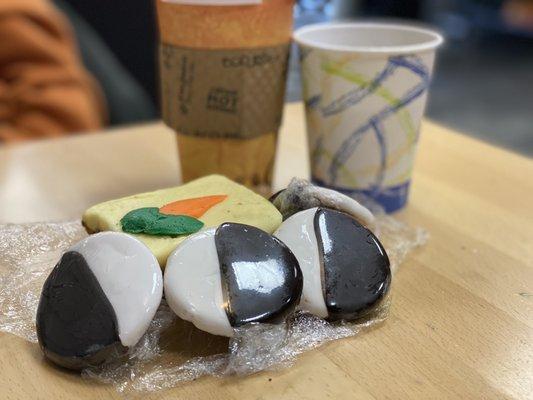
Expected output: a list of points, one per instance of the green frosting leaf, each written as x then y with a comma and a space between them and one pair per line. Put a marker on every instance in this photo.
138, 220
174, 225
150, 221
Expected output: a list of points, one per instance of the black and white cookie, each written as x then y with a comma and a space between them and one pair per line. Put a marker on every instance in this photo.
346, 269
301, 195
226, 277
99, 299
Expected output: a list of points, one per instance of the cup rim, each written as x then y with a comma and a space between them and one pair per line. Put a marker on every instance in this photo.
435, 39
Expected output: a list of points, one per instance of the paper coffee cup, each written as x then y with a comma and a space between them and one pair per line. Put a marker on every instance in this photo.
223, 67
365, 87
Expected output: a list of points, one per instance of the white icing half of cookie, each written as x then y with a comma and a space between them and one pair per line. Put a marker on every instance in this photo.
193, 287
298, 233
130, 277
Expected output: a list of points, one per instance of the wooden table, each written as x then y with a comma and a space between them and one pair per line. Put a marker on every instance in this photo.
461, 324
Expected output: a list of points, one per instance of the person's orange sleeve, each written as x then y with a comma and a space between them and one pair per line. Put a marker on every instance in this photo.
44, 89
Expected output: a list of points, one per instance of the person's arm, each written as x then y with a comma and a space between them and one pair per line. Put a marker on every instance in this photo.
44, 90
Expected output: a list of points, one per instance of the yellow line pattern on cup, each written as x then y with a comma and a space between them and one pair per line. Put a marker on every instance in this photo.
363, 81
352, 180
337, 69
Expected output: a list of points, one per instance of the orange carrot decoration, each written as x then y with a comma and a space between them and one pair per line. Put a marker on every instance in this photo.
192, 207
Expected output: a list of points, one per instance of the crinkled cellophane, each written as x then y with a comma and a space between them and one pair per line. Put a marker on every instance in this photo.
173, 351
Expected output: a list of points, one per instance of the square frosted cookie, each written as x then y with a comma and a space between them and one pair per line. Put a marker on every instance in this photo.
233, 203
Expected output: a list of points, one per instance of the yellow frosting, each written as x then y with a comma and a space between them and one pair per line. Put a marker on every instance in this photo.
242, 206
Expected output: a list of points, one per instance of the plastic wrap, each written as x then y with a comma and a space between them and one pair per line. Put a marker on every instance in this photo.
173, 351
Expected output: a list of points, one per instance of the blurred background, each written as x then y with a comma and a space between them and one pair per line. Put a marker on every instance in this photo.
481, 85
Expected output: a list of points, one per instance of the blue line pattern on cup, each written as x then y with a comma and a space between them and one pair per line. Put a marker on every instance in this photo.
391, 198
350, 144
313, 102
383, 156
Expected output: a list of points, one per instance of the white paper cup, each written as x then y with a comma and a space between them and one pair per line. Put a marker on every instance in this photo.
365, 87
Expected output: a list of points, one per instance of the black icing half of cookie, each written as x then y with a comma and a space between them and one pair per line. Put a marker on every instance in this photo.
346, 269
76, 323
356, 266
262, 280
220, 279
99, 300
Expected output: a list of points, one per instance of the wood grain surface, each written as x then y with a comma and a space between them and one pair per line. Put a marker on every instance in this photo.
461, 325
